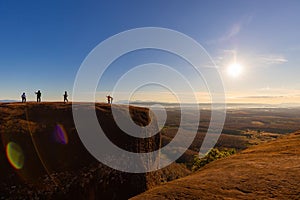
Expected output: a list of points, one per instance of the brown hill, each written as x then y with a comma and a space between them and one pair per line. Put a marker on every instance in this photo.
42, 156
268, 170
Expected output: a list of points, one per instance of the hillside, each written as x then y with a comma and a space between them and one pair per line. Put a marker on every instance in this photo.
268, 170
42, 156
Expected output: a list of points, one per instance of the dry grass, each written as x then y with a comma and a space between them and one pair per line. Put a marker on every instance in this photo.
268, 170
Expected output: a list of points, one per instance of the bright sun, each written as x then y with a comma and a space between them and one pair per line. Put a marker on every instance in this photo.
234, 69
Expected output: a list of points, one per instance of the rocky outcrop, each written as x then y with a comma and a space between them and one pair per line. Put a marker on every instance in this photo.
43, 157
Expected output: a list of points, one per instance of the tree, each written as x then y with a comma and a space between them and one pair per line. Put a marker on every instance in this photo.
212, 155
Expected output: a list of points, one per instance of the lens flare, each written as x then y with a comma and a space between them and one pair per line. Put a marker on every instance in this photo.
60, 134
15, 155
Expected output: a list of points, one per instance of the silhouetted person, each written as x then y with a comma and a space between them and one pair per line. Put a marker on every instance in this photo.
109, 99
38, 96
23, 96
66, 97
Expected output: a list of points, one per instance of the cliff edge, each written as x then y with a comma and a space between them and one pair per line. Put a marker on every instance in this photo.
43, 157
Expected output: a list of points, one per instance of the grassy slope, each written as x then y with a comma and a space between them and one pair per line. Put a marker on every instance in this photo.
268, 170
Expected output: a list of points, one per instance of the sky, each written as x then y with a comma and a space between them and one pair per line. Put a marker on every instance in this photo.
44, 43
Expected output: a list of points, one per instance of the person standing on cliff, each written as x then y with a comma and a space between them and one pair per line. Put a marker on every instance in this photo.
109, 99
66, 97
38, 96
23, 96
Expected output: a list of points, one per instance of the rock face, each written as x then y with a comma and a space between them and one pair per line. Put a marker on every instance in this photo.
43, 157
269, 170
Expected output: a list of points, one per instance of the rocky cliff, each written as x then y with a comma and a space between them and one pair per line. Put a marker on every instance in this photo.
43, 157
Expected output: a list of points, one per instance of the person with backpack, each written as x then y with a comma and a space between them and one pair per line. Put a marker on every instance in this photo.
109, 99
23, 96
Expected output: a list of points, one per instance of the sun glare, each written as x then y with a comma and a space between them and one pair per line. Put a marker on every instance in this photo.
234, 70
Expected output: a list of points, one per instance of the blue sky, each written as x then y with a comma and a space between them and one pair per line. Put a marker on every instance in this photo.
43, 43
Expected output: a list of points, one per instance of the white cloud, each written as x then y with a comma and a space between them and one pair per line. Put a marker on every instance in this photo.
228, 56
260, 97
233, 30
268, 97
225, 57
267, 93
271, 59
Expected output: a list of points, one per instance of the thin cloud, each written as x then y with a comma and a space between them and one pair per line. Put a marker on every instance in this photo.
259, 60
261, 97
272, 59
287, 92
233, 31
269, 93
225, 57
